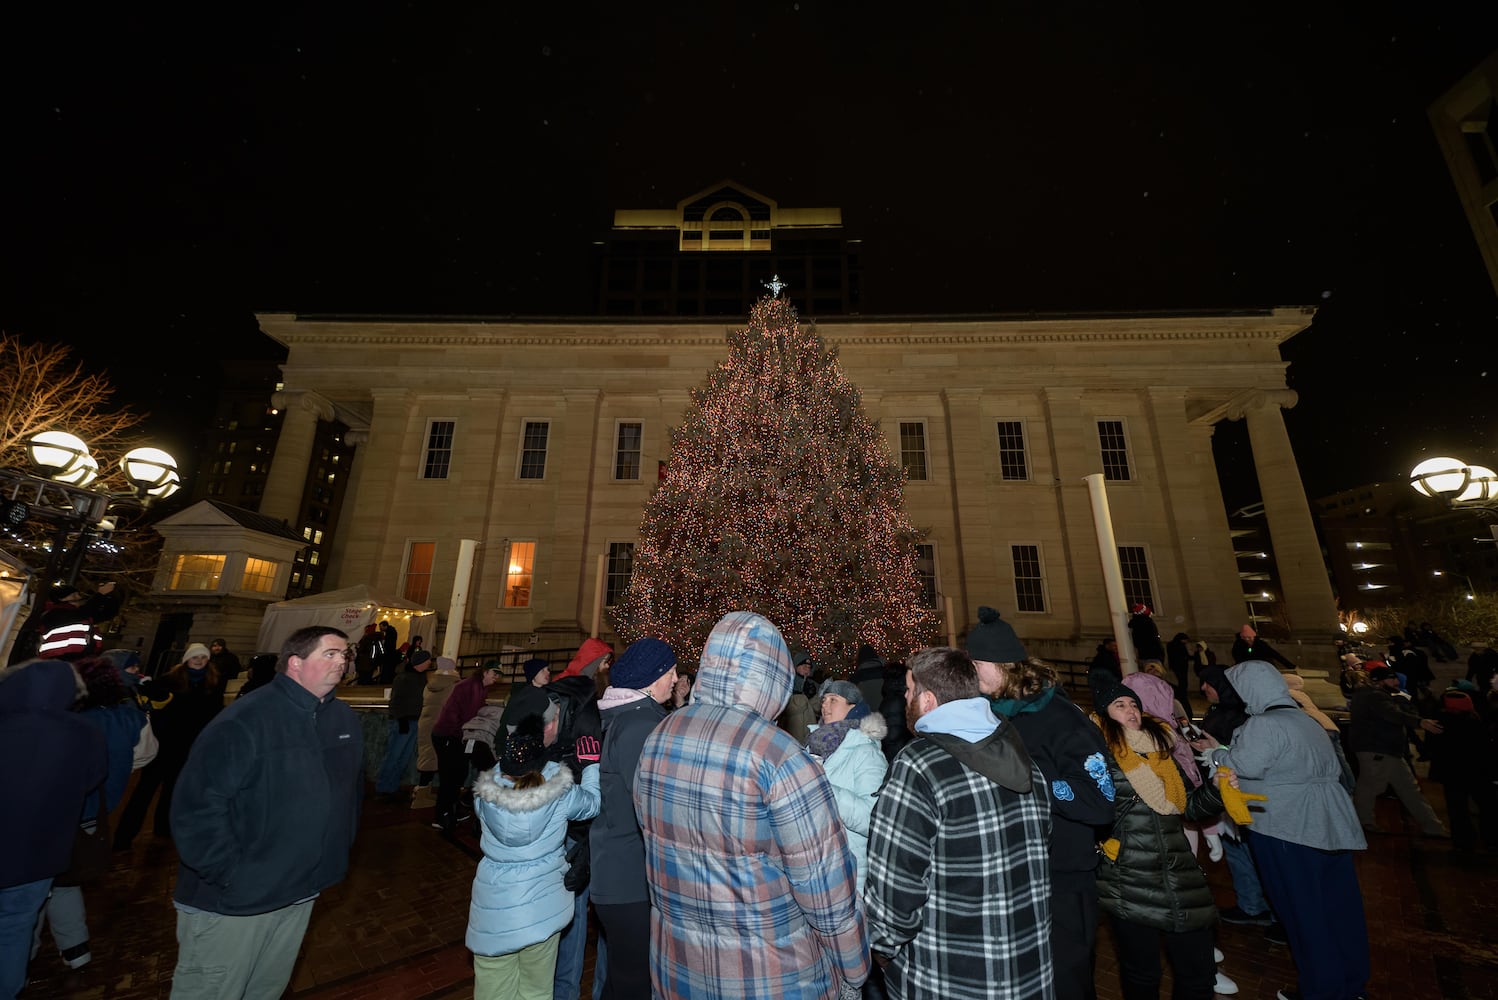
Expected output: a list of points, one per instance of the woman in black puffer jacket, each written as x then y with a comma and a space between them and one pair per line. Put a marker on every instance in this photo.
1149, 882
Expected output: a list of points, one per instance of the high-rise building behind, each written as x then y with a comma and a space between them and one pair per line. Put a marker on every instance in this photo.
712, 254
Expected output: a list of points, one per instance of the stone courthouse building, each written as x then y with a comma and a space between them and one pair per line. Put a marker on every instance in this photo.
541, 440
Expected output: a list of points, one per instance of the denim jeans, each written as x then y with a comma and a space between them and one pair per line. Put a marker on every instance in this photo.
19, 905
567, 983
601, 966
1245, 877
399, 749
64, 913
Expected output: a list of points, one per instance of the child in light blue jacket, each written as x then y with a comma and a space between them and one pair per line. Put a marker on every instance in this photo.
520, 905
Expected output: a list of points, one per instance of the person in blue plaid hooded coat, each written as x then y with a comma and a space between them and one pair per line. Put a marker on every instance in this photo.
751, 880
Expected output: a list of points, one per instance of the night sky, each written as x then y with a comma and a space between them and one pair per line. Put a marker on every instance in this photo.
169, 177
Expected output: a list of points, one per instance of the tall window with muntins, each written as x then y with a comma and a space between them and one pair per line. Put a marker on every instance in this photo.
1029, 578
533, 449
197, 571
519, 574
925, 567
913, 449
621, 563
1012, 463
259, 575
418, 582
627, 451
439, 453
1115, 449
1134, 565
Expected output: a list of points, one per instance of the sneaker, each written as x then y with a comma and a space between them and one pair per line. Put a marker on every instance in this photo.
1287, 994
1217, 956
1275, 934
1224, 987
1233, 915
77, 956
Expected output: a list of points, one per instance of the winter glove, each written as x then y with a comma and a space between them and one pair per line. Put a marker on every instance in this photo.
1110, 848
587, 750
1236, 801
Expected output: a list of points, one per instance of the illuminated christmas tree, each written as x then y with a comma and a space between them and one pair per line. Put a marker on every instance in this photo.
779, 497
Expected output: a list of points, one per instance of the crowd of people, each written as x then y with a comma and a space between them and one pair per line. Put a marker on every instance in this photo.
952, 825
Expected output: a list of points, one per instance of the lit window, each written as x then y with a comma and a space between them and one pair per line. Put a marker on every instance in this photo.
533, 449
913, 449
313, 558
1114, 446
925, 567
1012, 463
419, 558
1134, 563
317, 537
620, 565
1029, 578
307, 534
197, 572
439, 453
259, 575
627, 451
518, 576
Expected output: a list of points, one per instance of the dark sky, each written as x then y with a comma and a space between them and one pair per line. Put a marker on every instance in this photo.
170, 176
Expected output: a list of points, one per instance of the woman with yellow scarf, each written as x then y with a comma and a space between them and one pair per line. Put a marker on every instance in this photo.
1149, 882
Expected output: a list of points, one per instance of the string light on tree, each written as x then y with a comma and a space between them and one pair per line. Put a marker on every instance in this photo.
780, 497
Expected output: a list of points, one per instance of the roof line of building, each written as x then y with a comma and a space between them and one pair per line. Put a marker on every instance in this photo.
829, 320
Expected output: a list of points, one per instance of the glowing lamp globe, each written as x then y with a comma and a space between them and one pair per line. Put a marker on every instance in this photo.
150, 469
58, 453
1439, 477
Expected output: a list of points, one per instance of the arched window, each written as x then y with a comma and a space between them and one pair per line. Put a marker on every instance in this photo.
727, 228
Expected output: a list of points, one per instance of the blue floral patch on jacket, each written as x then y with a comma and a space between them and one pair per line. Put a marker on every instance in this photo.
1062, 790
1097, 767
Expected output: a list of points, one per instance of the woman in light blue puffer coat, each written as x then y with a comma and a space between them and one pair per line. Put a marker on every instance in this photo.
848, 745
520, 905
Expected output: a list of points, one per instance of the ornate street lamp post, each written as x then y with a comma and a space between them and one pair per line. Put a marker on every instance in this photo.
63, 497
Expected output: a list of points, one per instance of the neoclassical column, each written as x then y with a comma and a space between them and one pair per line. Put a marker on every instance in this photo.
287, 478
1211, 598
1308, 601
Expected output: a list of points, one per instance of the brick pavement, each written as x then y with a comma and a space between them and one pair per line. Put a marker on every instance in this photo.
395, 928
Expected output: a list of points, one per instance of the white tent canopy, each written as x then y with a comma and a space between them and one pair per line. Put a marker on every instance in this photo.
349, 609
13, 597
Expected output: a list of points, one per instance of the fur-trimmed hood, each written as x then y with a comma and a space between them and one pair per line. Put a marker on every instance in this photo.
874, 727
500, 791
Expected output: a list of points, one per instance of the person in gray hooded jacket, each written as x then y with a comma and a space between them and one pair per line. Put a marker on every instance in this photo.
1303, 835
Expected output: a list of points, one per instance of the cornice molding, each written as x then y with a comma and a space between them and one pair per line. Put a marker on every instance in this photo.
1275, 327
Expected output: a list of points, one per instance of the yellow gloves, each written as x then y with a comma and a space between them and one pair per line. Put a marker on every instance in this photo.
1236, 801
